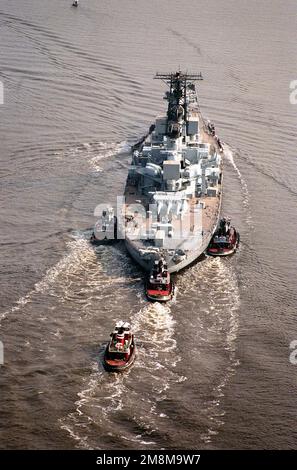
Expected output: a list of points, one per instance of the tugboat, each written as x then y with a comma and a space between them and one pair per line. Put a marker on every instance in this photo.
159, 286
120, 352
105, 230
225, 240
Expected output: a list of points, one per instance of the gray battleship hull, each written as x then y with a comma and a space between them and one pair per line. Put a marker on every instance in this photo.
172, 267
147, 261
172, 198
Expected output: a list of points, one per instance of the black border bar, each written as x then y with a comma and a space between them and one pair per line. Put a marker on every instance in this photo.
149, 458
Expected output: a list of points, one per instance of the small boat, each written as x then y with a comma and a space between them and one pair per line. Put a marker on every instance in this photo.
75, 3
211, 128
120, 352
159, 285
105, 231
225, 240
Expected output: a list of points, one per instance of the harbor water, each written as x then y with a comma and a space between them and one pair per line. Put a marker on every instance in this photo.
213, 368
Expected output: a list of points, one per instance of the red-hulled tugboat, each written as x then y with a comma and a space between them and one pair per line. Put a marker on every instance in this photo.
159, 285
225, 240
120, 353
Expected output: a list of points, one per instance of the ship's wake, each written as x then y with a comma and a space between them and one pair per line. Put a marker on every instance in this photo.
211, 326
127, 407
79, 253
230, 154
197, 358
80, 276
93, 152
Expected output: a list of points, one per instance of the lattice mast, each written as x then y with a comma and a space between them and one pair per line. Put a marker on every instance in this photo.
177, 112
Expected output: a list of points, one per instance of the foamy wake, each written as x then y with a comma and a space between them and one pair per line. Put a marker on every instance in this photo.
104, 395
94, 152
101, 399
154, 326
229, 153
107, 150
227, 311
101, 396
213, 286
70, 423
79, 254
104, 398
66, 280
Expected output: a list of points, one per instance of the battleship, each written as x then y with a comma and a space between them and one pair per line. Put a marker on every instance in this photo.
172, 197
176, 176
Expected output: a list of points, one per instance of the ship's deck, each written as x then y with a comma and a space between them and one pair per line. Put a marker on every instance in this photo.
138, 223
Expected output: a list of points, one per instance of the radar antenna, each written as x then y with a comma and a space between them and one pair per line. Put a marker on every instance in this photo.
177, 112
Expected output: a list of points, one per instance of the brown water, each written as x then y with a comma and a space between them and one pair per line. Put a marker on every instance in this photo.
213, 366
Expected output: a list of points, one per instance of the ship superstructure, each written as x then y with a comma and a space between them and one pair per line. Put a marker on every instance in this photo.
174, 185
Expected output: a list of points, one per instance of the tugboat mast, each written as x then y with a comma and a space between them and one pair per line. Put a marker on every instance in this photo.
177, 112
